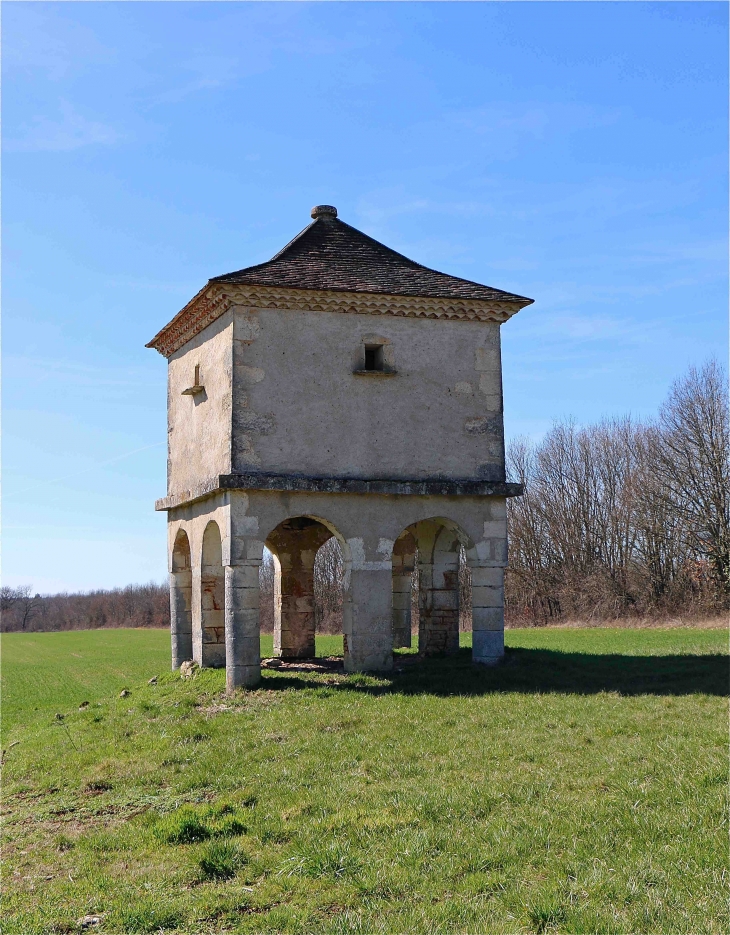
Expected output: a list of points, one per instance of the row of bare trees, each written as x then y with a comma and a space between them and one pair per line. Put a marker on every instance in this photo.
624, 518
138, 605
618, 519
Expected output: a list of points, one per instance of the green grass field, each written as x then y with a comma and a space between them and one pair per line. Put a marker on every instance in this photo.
579, 787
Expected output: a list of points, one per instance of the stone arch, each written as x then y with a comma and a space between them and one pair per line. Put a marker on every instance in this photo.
430, 548
181, 603
294, 543
212, 599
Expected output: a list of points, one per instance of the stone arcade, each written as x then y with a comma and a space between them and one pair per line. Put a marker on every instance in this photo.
339, 389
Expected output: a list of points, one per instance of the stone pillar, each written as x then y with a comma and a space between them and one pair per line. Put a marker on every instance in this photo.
438, 603
212, 601
488, 561
181, 621
487, 596
404, 563
295, 544
197, 615
243, 655
368, 607
181, 583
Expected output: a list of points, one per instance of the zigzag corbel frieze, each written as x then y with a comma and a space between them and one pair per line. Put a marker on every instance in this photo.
213, 303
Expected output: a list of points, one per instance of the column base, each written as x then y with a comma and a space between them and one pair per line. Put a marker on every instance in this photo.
182, 650
402, 640
242, 677
374, 665
487, 647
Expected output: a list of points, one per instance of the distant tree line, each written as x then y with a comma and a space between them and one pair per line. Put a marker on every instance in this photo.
138, 605
619, 519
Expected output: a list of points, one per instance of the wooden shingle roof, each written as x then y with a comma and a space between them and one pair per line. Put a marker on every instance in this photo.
331, 255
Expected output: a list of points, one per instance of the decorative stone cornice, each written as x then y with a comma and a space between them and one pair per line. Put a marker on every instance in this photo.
212, 301
428, 487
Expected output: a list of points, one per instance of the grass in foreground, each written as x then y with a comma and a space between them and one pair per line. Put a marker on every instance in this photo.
577, 788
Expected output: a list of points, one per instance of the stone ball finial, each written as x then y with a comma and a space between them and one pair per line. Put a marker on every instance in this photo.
319, 211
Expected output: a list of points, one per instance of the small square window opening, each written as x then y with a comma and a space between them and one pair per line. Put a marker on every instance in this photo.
374, 359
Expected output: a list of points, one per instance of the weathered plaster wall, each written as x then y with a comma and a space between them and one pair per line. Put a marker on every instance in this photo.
199, 426
299, 408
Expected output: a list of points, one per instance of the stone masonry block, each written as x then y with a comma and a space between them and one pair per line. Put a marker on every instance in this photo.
497, 508
401, 599
445, 600
486, 359
487, 618
244, 598
492, 550
242, 677
247, 649
495, 529
247, 525
487, 576
487, 597
246, 622
254, 549
241, 552
242, 576
487, 647
490, 385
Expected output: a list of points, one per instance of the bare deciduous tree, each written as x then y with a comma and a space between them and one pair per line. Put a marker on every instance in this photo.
693, 461
328, 581
621, 518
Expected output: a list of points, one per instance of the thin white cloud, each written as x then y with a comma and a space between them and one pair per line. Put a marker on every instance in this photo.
72, 373
38, 39
68, 132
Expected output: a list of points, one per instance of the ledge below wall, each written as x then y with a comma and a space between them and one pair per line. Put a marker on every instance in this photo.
298, 482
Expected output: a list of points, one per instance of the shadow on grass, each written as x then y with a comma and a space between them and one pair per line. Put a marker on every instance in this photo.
542, 670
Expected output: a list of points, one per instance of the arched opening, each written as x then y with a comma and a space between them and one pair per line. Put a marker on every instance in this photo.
181, 590
431, 586
305, 567
212, 599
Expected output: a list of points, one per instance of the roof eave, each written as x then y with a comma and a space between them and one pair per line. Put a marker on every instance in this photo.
214, 299
498, 295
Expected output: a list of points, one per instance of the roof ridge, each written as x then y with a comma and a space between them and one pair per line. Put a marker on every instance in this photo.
330, 254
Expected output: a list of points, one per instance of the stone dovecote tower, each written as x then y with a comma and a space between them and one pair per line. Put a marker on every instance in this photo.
340, 389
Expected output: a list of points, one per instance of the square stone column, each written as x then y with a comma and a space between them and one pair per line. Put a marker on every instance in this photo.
368, 608
487, 595
295, 544
197, 612
212, 598
181, 621
438, 604
488, 561
243, 638
404, 564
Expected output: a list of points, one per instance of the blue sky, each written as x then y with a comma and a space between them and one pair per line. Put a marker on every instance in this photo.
572, 152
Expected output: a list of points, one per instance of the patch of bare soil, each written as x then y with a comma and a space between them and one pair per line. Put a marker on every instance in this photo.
323, 664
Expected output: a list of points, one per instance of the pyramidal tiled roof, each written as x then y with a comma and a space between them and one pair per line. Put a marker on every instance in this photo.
331, 255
